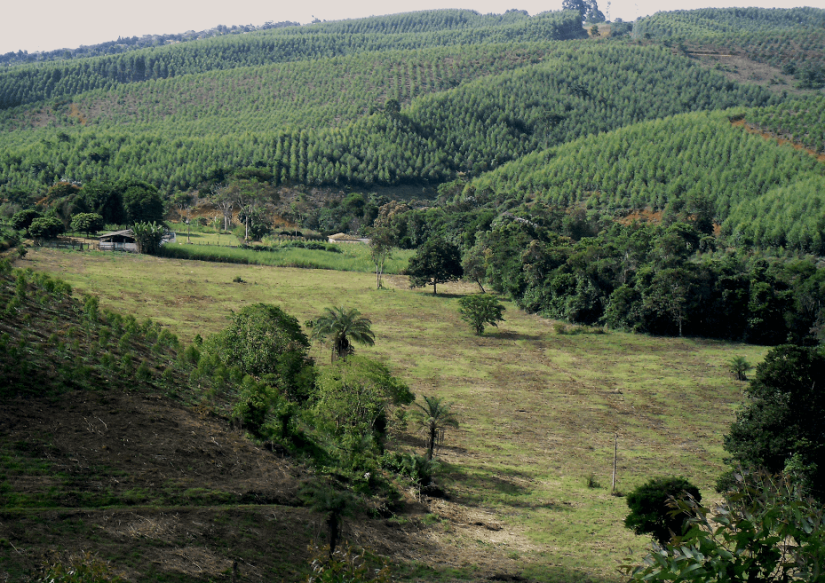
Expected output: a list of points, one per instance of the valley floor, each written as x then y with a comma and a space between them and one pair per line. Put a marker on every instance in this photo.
540, 406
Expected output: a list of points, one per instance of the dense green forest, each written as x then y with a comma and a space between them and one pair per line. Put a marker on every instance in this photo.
30, 83
572, 92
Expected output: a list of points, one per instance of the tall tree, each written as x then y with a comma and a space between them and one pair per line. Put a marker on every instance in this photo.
381, 241
780, 427
183, 202
436, 261
248, 195
142, 203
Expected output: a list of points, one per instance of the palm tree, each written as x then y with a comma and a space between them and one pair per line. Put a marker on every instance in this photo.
333, 504
344, 327
739, 366
434, 416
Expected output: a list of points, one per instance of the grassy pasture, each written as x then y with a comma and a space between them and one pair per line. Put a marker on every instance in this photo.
539, 410
353, 256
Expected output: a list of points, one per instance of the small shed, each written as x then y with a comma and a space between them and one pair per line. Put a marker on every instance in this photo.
344, 238
118, 241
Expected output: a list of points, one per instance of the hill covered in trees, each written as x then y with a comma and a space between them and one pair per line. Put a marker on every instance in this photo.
551, 94
29, 83
790, 39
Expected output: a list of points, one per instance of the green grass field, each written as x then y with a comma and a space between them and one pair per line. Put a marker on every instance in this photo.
538, 409
213, 247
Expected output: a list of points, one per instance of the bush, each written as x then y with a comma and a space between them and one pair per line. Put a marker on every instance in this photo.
345, 565
85, 568
253, 405
765, 529
649, 511
23, 219
480, 309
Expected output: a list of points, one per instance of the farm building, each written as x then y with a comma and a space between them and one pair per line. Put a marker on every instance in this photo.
344, 238
125, 241
118, 241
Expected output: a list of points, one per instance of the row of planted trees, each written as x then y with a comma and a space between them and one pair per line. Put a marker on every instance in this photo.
474, 128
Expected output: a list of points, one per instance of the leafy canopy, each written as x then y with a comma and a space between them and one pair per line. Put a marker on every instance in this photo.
343, 327
780, 427
764, 530
436, 261
264, 341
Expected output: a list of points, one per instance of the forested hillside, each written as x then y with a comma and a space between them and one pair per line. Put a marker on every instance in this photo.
791, 39
573, 91
30, 83
524, 165
800, 120
688, 159
307, 94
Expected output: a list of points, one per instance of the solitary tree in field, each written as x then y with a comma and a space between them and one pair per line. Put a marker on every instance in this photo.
436, 261
343, 327
480, 309
434, 417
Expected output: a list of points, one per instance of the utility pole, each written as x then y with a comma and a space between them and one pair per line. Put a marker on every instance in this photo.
615, 455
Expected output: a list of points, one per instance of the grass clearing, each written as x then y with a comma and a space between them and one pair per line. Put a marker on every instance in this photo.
538, 410
352, 257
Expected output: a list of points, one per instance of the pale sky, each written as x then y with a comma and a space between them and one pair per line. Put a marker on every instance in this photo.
53, 24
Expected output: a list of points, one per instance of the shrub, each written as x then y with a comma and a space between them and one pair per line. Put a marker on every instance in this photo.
85, 568
345, 565
264, 340
765, 529
23, 219
143, 373
649, 512
480, 309
253, 405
